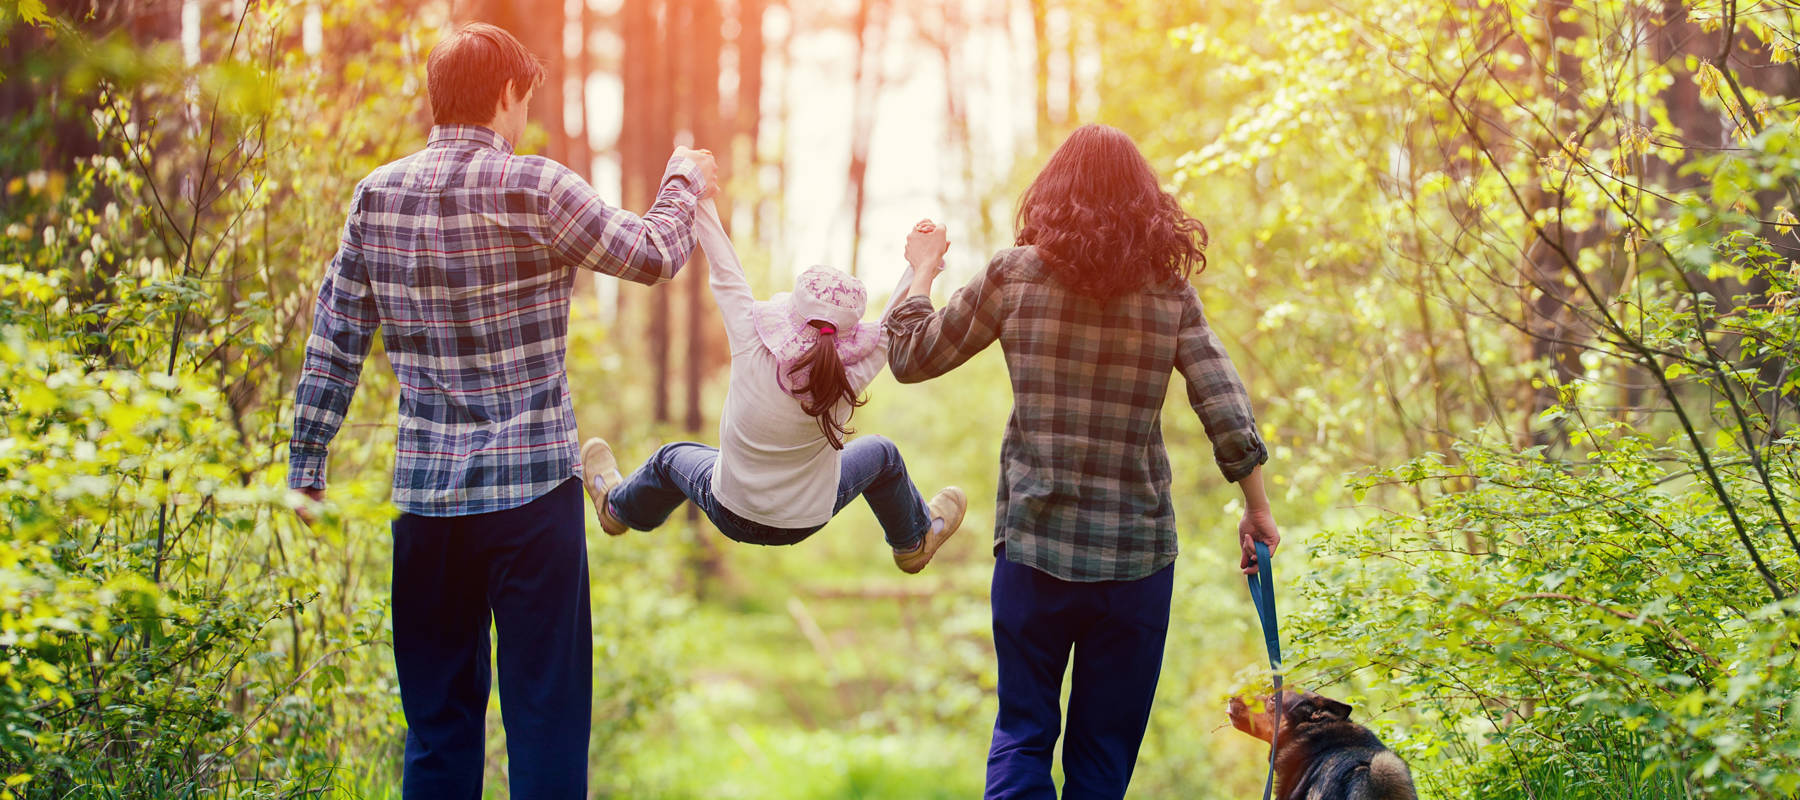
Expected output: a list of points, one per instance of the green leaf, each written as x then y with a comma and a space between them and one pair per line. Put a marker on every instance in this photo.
32, 12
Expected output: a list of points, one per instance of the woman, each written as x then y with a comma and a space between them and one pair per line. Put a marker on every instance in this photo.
1093, 311
799, 362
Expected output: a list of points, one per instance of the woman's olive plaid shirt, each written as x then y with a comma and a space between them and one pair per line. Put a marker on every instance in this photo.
1084, 484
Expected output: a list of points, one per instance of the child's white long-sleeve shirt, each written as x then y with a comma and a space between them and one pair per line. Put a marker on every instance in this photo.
775, 466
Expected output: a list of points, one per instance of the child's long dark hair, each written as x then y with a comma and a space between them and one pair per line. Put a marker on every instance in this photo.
826, 384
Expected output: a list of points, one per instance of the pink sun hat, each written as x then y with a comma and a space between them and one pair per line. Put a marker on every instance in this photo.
821, 294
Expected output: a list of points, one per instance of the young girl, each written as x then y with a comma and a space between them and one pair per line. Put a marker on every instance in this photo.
1094, 312
799, 362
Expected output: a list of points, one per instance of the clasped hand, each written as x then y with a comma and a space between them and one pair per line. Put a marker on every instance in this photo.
709, 168
925, 248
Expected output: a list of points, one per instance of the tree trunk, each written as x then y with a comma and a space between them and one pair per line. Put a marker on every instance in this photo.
868, 82
637, 35
702, 24
1554, 329
1072, 110
747, 122
784, 116
649, 74
710, 131
580, 144
1040, 42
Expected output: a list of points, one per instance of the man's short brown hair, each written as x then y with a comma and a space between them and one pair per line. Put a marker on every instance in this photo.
467, 71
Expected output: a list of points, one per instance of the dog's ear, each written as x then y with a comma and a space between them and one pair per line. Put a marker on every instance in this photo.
1334, 708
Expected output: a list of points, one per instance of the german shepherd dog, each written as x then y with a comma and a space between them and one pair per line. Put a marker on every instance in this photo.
1323, 755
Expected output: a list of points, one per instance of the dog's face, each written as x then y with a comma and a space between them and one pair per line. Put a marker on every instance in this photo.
1296, 708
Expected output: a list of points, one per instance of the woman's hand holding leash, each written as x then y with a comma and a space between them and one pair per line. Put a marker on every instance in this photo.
1258, 524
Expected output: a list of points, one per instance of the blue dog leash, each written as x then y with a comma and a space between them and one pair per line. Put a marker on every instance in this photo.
1262, 594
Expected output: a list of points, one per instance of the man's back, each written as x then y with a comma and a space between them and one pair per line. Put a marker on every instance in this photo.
464, 255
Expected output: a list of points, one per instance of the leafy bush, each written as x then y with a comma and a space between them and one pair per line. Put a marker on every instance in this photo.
1573, 328
168, 628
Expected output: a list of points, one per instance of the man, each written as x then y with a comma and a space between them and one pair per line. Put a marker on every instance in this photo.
464, 255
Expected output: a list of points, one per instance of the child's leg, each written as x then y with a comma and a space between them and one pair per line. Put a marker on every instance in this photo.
677, 473
872, 467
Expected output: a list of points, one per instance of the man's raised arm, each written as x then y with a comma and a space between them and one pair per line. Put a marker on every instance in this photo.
588, 233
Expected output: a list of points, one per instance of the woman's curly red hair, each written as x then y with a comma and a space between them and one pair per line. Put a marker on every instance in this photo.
1101, 221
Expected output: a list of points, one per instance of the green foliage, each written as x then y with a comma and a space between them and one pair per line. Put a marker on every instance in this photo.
1577, 332
1564, 614
152, 651
168, 628
171, 629
1468, 252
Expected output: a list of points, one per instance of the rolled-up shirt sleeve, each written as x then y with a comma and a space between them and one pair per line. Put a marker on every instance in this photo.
1217, 394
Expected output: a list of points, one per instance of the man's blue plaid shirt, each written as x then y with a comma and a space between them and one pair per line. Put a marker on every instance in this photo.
464, 256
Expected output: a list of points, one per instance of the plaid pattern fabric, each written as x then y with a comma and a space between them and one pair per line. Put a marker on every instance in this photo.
1084, 484
464, 255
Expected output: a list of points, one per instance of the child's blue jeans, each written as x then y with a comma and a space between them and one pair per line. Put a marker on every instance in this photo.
871, 466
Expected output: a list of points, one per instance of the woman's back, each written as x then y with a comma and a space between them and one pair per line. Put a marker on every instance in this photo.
1084, 489
1093, 311
1088, 385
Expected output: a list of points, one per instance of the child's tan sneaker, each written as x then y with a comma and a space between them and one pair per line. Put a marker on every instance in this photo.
948, 505
600, 473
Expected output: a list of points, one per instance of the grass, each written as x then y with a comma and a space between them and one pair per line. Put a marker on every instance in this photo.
1587, 767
